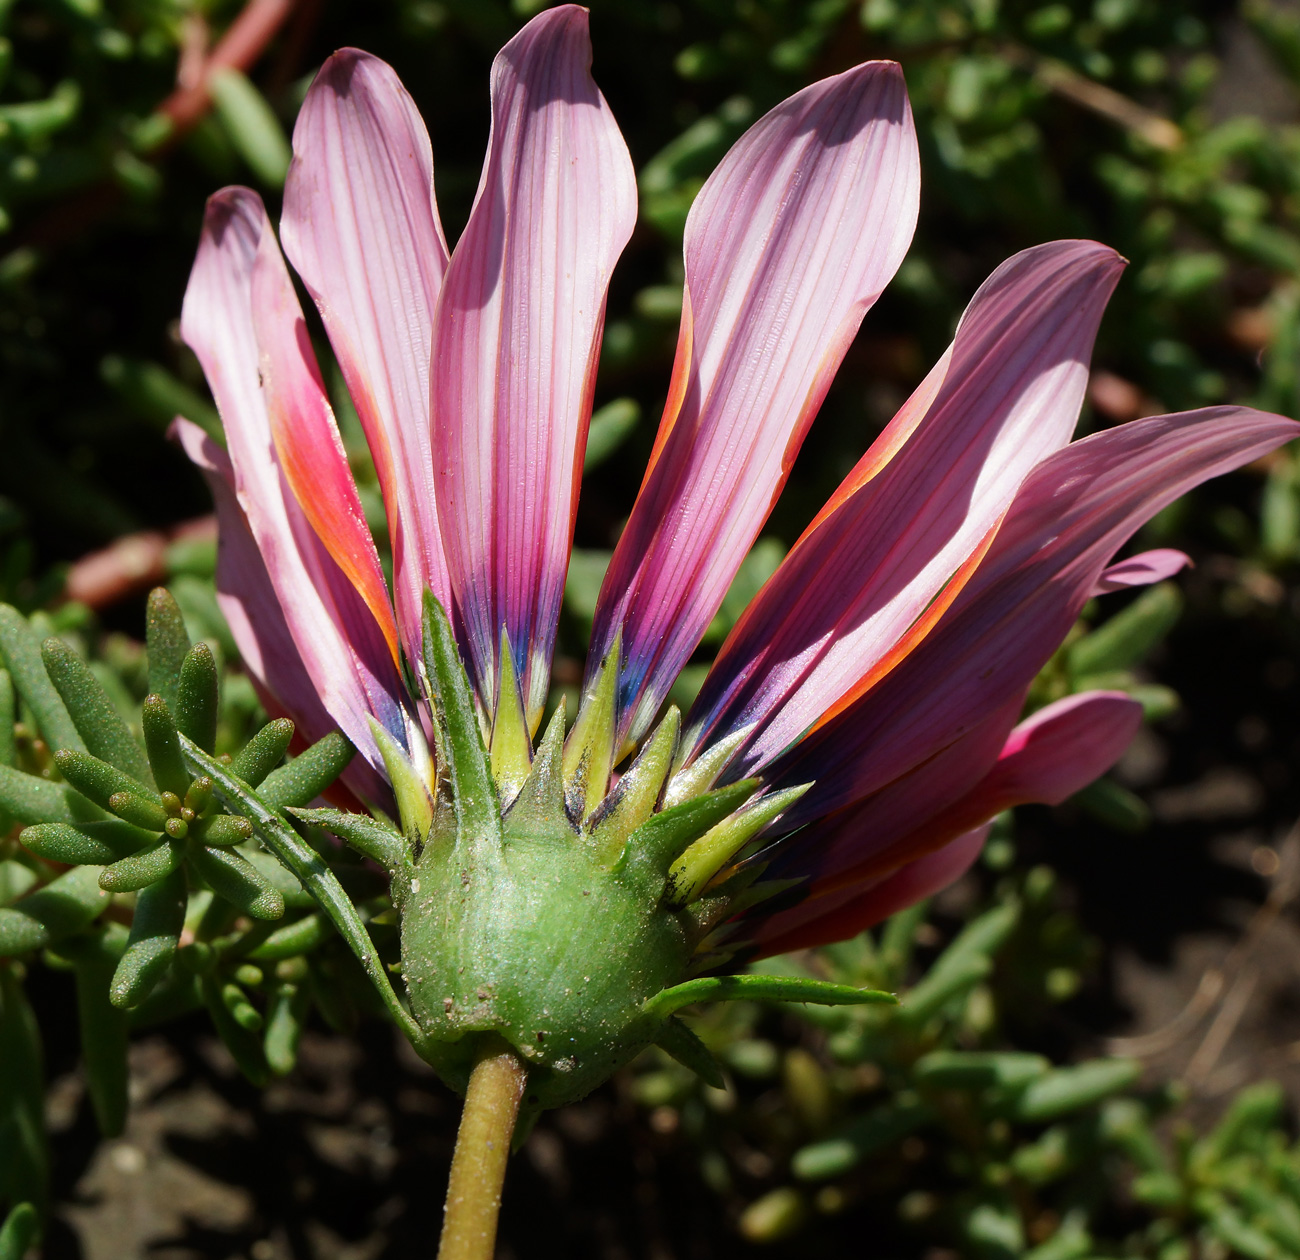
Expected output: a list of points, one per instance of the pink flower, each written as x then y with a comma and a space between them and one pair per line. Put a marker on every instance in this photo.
888, 659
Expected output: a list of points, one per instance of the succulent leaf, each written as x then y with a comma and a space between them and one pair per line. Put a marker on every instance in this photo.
263, 752
155, 935
233, 877
22, 654
141, 869
166, 643
87, 844
63, 906
308, 774
197, 697
163, 746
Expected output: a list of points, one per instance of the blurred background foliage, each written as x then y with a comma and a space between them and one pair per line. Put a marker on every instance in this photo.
1170, 129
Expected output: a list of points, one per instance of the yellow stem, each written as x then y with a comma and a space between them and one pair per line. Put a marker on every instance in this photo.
478, 1167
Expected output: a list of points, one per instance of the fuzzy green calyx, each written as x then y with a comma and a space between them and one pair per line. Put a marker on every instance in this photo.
550, 910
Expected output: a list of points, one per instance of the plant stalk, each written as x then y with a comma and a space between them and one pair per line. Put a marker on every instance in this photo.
478, 1167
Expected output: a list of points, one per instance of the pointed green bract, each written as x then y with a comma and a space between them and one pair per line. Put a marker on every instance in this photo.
638, 791
705, 857
371, 837
98, 722
155, 935
679, 1041
22, 655
762, 989
166, 643
238, 881
478, 814
263, 752
653, 846
413, 804
589, 751
538, 809
703, 772
196, 697
93, 844
65, 905
308, 774
141, 869
163, 745
511, 751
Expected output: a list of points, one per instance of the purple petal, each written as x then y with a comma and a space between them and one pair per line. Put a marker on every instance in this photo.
1142, 570
865, 581
516, 340
1073, 512
788, 245
341, 645
853, 910
361, 228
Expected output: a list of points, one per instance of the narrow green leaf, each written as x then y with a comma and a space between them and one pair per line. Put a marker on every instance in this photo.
638, 790
252, 126
233, 877
104, 1027
1114, 804
308, 774
141, 869
1130, 634
610, 427
1067, 1089
263, 752
63, 906
155, 935
705, 857
29, 799
99, 781
24, 1148
943, 985
87, 844
478, 812
167, 644
245, 1047
97, 720
22, 654
875, 1131
682, 1043
761, 989
223, 830
978, 1069
653, 846
300, 858
299, 937
163, 746
284, 1024
369, 836
18, 1233
8, 716
196, 697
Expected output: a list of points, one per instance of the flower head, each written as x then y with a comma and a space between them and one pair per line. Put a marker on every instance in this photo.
860, 725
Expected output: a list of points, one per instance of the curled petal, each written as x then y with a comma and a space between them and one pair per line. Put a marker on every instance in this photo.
361, 228
249, 604
788, 245
875, 571
1142, 570
516, 338
1070, 516
341, 645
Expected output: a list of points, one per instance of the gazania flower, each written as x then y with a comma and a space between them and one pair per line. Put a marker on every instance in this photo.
859, 727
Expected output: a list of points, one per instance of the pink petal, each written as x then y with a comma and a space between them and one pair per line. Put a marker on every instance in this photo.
787, 246
1073, 512
853, 910
516, 340
336, 636
361, 228
249, 604
306, 436
864, 583
1142, 570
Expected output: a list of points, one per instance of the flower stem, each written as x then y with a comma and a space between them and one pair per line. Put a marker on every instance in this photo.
478, 1168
